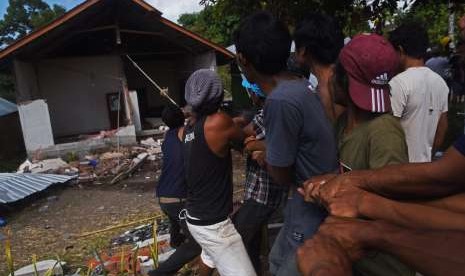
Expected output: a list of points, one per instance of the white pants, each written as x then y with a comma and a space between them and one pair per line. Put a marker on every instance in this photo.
222, 248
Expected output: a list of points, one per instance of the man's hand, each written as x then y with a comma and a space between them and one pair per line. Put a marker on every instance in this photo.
259, 157
323, 256
311, 188
349, 233
341, 195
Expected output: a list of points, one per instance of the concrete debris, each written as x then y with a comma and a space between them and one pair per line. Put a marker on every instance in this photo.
150, 142
135, 164
110, 166
101, 135
42, 268
111, 155
55, 165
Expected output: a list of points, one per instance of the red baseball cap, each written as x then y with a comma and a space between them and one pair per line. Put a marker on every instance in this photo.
370, 62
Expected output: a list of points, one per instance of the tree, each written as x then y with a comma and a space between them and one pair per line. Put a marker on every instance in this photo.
22, 17
220, 17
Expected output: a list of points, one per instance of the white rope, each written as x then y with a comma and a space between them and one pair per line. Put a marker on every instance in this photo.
163, 91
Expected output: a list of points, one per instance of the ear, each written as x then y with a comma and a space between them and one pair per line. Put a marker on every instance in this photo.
401, 50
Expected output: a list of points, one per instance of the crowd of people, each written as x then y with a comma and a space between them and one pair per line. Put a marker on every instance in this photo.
349, 159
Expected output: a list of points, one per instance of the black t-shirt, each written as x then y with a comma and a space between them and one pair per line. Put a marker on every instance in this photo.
208, 176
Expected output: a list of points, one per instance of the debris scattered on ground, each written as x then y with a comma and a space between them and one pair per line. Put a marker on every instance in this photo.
55, 165
110, 166
42, 268
135, 163
142, 239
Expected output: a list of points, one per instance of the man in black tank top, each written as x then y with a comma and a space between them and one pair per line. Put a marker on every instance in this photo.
207, 139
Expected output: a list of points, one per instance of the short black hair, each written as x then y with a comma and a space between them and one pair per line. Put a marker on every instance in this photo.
172, 116
264, 41
321, 35
412, 37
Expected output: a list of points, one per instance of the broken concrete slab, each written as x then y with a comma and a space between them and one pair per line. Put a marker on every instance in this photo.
43, 166
36, 125
135, 163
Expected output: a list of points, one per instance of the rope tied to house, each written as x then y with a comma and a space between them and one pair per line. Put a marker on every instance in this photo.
163, 91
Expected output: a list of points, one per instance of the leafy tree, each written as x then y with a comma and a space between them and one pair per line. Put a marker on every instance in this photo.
220, 17
22, 17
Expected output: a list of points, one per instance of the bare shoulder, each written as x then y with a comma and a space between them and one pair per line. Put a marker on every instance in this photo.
219, 121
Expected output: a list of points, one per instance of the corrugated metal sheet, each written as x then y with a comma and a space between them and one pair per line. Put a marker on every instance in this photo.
16, 186
7, 107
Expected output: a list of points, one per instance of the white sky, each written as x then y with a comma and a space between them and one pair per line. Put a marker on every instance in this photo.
172, 9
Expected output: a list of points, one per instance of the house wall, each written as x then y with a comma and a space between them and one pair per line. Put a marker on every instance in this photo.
164, 73
26, 81
75, 90
171, 73
11, 139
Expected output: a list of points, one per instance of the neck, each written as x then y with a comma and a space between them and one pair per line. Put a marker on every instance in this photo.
413, 62
323, 73
268, 83
355, 117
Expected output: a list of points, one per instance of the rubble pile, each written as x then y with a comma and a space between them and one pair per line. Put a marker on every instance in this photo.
109, 166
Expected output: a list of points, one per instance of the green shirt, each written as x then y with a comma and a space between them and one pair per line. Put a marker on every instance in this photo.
371, 145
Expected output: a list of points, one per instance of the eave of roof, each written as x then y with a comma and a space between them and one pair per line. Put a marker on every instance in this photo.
89, 3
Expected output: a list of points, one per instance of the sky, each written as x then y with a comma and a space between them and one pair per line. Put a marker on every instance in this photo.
171, 8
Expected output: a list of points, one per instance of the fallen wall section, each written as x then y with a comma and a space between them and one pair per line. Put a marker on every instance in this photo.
36, 126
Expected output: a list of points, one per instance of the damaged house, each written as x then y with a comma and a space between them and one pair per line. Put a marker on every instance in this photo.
77, 90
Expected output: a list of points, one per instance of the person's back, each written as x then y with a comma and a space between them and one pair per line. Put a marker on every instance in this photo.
172, 177
293, 102
300, 135
419, 96
369, 137
209, 176
372, 144
207, 139
300, 142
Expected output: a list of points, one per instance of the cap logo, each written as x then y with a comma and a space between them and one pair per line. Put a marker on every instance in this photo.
381, 79
377, 101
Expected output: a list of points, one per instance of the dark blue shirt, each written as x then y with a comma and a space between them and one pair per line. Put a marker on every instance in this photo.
298, 132
172, 182
460, 144
299, 135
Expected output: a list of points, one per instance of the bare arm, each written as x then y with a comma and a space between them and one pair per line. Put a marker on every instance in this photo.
249, 130
221, 132
429, 252
411, 215
455, 203
255, 145
437, 179
441, 131
408, 181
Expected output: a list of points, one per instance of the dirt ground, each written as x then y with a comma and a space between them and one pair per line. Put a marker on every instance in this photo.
48, 224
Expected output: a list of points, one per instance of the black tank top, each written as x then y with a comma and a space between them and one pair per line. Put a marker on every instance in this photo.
208, 177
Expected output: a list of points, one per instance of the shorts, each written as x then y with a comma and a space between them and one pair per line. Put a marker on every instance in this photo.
222, 248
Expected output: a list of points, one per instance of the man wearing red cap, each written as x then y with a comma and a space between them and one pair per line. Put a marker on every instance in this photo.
369, 137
